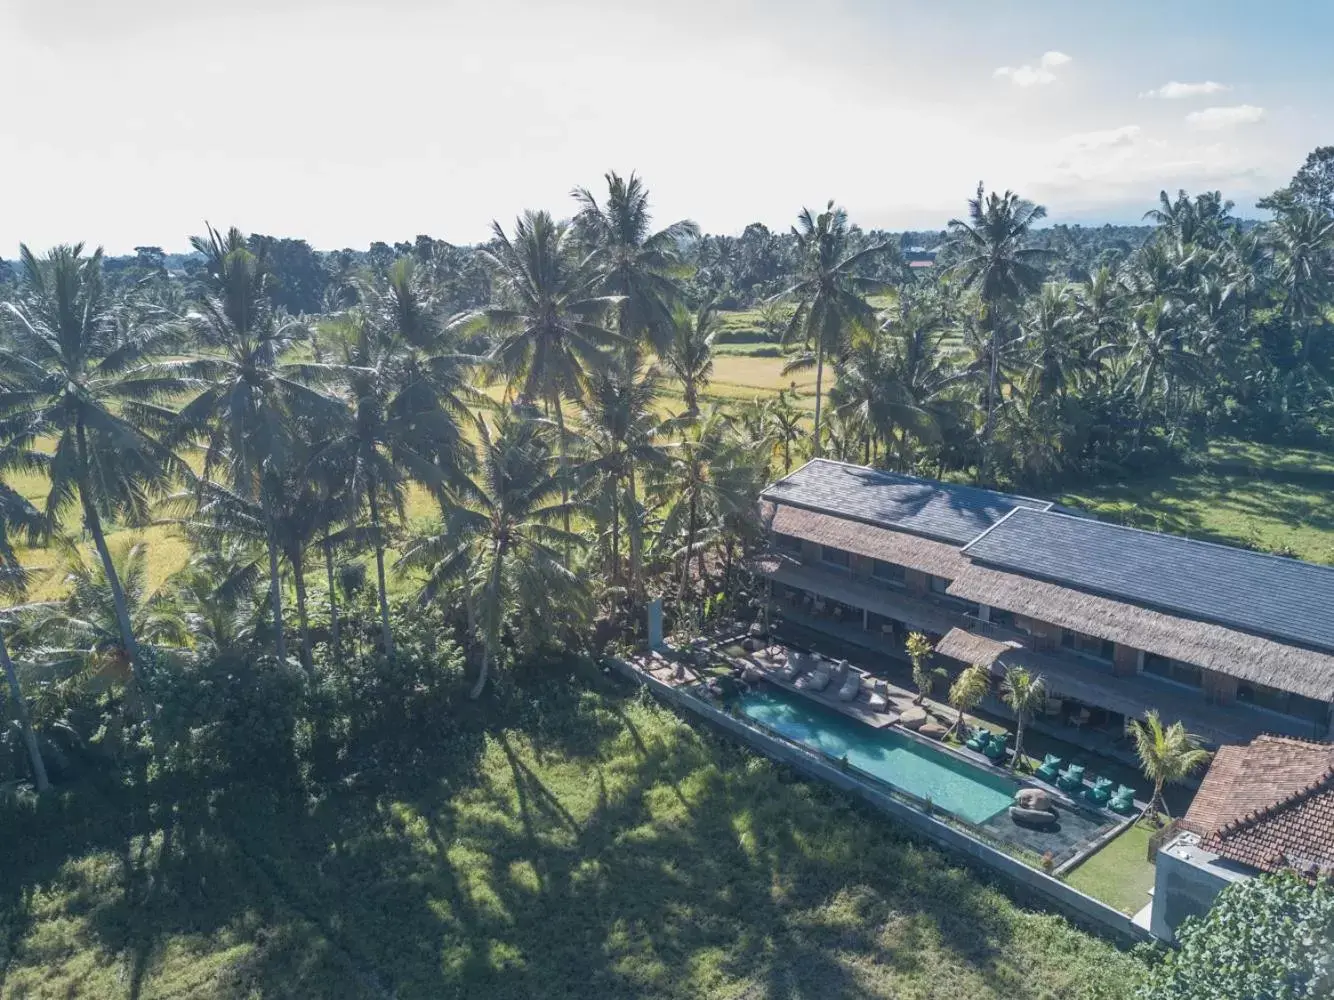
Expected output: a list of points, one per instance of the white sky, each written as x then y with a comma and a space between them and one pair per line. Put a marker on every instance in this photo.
345, 121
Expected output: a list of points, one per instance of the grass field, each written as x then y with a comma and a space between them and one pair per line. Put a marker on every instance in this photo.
1120, 874
599, 848
1276, 499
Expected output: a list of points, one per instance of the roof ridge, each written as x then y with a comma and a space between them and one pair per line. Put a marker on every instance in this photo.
1187, 539
1286, 801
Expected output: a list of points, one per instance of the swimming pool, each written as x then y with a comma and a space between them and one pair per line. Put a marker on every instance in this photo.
953, 785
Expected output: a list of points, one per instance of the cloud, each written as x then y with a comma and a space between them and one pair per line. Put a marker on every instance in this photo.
1213, 119
1175, 91
1104, 139
1030, 76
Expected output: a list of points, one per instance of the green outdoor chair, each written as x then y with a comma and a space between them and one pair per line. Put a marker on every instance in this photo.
996, 749
1099, 792
1071, 778
1048, 768
1123, 800
979, 739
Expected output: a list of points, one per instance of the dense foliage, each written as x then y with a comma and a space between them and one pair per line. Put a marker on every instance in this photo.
1268, 938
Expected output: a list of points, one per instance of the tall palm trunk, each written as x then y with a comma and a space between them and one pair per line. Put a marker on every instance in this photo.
636, 538
692, 527
562, 447
25, 722
93, 523
615, 531
386, 635
819, 387
333, 597
276, 595
491, 614
303, 620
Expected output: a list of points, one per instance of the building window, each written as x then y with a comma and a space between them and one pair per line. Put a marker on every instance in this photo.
939, 585
1168, 669
1284, 702
835, 557
1003, 619
787, 543
1090, 645
891, 573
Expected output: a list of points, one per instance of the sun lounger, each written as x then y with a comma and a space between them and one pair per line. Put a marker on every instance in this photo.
878, 702
1071, 778
796, 666
996, 748
852, 686
979, 739
1049, 766
1122, 800
816, 679
1099, 792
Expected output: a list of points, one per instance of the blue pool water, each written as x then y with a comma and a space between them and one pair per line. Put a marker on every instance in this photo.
953, 785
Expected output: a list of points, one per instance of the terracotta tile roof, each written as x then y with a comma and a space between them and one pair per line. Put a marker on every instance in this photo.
1269, 805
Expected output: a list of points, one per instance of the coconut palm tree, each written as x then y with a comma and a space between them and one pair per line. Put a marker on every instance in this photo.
16, 513
709, 479
74, 371
829, 292
786, 422
1302, 242
1166, 754
498, 533
1025, 694
992, 258
689, 353
632, 262
547, 316
968, 689
251, 411
924, 676
405, 408
619, 438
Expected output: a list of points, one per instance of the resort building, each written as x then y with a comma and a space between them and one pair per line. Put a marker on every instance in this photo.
1117, 620
1261, 808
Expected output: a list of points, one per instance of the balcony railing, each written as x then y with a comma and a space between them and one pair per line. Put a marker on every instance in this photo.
1002, 633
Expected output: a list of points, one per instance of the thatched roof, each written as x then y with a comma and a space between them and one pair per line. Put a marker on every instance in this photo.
1214, 647
913, 551
840, 587
968, 647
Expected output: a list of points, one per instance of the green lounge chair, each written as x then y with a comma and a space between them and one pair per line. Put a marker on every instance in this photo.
1123, 800
1099, 792
1048, 768
996, 749
979, 739
1071, 778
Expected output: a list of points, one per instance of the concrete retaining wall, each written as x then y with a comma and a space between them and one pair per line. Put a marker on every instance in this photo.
1069, 900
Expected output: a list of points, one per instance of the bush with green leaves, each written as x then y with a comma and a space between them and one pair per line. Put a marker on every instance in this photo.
1267, 938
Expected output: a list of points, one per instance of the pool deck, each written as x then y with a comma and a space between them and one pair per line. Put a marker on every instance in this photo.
853, 709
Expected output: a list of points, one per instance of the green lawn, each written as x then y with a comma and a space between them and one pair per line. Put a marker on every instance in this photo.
1276, 499
599, 847
1120, 874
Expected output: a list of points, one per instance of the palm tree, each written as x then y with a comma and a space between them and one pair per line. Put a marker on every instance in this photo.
786, 420
924, 676
1055, 357
252, 411
632, 262
1303, 244
498, 531
405, 408
1025, 694
546, 317
74, 371
16, 513
829, 291
708, 480
968, 689
619, 437
215, 592
689, 354
992, 259
82, 631
1166, 754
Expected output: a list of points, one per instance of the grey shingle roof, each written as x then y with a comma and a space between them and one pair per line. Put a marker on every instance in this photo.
943, 511
1254, 592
